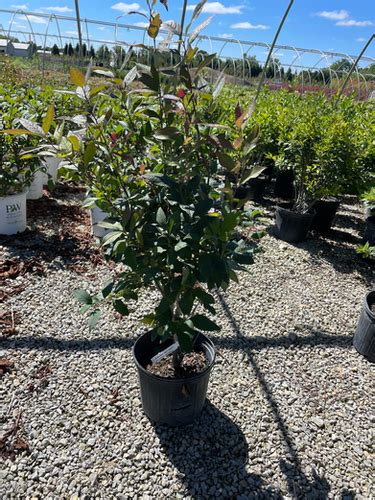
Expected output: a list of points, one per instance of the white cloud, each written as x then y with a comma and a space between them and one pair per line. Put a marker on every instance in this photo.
225, 35
33, 19
102, 28
335, 15
59, 10
71, 32
360, 39
352, 22
218, 8
248, 26
24, 6
126, 7
141, 24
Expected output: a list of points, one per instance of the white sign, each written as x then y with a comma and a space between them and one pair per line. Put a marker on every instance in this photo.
165, 353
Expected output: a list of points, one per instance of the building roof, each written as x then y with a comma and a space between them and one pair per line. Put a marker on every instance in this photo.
4, 42
24, 46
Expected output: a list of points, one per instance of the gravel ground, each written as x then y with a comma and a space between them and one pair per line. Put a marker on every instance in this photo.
290, 401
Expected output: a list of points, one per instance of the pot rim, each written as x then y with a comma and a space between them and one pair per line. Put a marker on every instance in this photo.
206, 341
14, 194
306, 215
369, 303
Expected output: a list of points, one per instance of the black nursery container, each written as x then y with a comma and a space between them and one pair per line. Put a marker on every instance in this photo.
171, 401
292, 226
255, 188
284, 184
370, 230
364, 337
325, 213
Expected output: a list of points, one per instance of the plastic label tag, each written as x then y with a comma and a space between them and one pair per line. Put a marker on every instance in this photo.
163, 354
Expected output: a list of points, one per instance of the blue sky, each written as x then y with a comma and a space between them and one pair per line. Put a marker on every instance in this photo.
334, 25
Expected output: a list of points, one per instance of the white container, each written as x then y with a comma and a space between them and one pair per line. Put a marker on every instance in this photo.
13, 213
97, 216
36, 187
52, 163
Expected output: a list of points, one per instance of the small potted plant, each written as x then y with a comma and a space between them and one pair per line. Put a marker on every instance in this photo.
293, 220
173, 225
16, 175
369, 203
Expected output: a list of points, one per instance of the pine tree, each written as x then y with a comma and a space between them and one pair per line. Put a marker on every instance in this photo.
55, 50
66, 50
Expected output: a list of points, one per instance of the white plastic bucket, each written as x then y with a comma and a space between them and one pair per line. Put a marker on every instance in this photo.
52, 163
13, 213
36, 187
97, 216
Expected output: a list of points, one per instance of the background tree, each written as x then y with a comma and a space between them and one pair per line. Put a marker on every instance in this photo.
55, 50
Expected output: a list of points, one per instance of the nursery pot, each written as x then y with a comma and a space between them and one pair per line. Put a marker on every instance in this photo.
52, 163
13, 213
171, 401
98, 216
364, 337
255, 188
370, 230
325, 213
292, 226
284, 187
36, 187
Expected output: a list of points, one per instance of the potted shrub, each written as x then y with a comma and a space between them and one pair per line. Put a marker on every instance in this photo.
369, 203
173, 225
364, 337
16, 174
297, 154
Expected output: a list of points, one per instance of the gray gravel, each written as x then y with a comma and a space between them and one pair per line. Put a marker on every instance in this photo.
290, 411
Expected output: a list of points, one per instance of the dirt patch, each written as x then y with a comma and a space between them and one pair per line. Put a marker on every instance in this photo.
192, 364
6, 365
62, 229
8, 292
8, 322
13, 442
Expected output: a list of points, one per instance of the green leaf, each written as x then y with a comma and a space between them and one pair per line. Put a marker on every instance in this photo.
121, 307
252, 174
48, 119
226, 161
16, 131
180, 245
203, 323
167, 133
161, 217
107, 289
90, 151
185, 339
186, 302
195, 33
32, 127
94, 318
76, 77
85, 308
154, 26
82, 296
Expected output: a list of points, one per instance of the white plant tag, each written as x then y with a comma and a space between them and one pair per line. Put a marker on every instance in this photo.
163, 354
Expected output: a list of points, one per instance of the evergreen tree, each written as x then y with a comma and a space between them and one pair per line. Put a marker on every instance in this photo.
55, 50
92, 51
70, 50
66, 49
84, 50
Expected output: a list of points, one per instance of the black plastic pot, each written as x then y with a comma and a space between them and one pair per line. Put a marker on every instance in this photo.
370, 230
284, 187
171, 401
364, 337
292, 226
325, 213
255, 188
